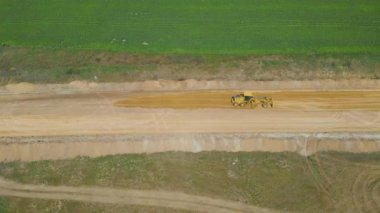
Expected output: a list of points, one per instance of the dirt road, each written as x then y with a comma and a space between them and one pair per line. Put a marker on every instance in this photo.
96, 124
57, 126
187, 112
129, 197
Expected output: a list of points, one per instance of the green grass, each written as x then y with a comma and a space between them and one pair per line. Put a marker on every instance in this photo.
11, 205
4, 205
284, 181
238, 27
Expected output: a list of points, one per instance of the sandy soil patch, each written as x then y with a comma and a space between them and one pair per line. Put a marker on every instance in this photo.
287, 100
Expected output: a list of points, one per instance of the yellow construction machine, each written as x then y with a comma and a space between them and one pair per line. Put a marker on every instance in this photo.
248, 97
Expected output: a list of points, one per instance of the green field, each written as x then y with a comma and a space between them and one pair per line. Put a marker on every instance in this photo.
283, 181
236, 27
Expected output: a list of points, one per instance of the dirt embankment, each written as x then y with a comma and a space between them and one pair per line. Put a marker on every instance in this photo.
53, 148
190, 84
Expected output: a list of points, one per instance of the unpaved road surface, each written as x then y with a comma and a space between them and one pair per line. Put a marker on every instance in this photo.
39, 126
186, 112
128, 197
43, 126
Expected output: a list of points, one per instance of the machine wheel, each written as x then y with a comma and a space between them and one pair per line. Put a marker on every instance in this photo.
264, 105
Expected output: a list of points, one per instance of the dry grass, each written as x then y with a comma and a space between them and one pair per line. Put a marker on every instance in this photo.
284, 181
36, 206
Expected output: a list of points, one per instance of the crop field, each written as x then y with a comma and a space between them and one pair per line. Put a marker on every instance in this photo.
195, 27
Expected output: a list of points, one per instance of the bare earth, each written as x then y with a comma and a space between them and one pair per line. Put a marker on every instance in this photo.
65, 147
187, 112
58, 126
39, 125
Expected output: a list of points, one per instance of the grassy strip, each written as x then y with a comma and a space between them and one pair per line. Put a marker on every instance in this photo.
237, 27
283, 181
10, 205
43, 65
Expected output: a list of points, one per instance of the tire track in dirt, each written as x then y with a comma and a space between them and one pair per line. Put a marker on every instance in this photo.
365, 192
319, 176
128, 197
376, 194
365, 188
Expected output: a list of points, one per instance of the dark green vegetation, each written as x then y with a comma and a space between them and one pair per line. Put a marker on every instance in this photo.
102, 40
195, 27
284, 181
62, 65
